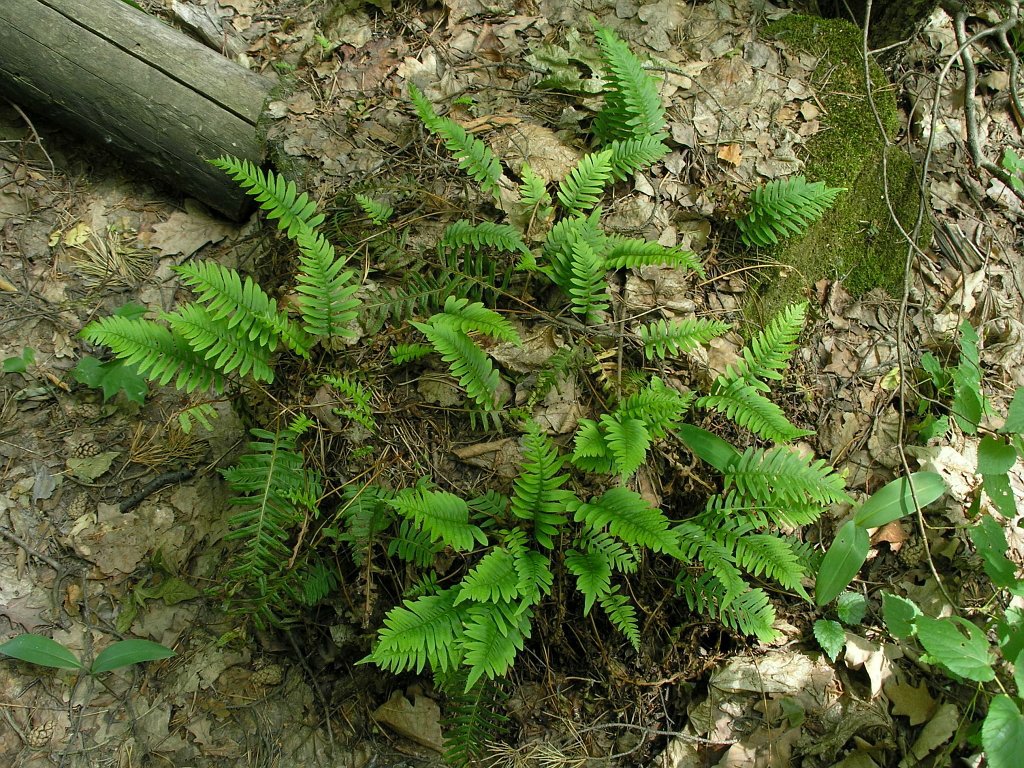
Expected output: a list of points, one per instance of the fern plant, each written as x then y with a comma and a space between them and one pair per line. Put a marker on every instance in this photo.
784, 207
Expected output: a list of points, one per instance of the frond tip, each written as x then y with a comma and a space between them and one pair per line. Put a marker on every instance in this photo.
784, 207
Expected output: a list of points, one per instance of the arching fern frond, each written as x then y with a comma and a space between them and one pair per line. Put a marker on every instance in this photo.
629, 517
467, 361
623, 615
635, 153
494, 633
474, 317
767, 355
413, 545
537, 494
378, 212
583, 187
214, 339
326, 289
658, 405
750, 613
473, 156
473, 718
557, 250
593, 571
675, 337
155, 352
534, 198
423, 631
740, 401
444, 516
781, 477
632, 107
406, 353
628, 252
484, 234
587, 286
279, 198
784, 207
494, 579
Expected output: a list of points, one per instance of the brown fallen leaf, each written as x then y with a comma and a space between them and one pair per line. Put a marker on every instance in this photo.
893, 534
913, 702
731, 153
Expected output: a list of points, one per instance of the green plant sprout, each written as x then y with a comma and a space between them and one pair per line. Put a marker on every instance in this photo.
45, 652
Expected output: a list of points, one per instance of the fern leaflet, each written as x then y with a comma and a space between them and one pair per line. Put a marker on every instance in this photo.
214, 339
326, 289
280, 199
420, 632
628, 252
675, 337
583, 187
593, 572
630, 518
784, 207
379, 213
623, 615
444, 516
740, 401
534, 198
587, 284
632, 106
467, 361
635, 153
750, 613
494, 633
406, 353
537, 494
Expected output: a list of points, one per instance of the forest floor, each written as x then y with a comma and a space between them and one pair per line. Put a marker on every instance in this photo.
82, 235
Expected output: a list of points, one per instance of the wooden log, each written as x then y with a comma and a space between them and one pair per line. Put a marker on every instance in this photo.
142, 89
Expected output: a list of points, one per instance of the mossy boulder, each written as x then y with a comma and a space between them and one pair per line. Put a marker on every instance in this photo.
856, 241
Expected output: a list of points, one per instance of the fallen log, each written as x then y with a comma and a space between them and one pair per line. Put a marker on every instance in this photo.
142, 89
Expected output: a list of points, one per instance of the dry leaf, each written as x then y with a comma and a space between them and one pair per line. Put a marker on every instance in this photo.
912, 702
187, 231
731, 153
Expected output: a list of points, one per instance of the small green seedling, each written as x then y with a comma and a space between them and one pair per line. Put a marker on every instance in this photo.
20, 363
37, 649
1014, 165
850, 610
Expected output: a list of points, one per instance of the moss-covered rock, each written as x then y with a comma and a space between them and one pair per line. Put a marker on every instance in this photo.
856, 241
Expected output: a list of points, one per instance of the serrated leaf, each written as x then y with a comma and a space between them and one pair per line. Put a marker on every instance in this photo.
37, 649
1002, 733
851, 607
830, 637
958, 645
895, 499
842, 562
899, 614
126, 652
112, 376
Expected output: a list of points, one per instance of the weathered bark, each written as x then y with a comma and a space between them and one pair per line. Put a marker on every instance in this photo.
891, 20
137, 86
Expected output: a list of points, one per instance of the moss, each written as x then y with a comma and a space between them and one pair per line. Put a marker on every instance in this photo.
855, 241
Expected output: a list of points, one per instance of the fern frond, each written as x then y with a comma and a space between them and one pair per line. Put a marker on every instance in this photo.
784, 207
494, 634
406, 353
534, 198
591, 452
535, 576
750, 613
473, 719
423, 631
216, 341
628, 517
484, 234
364, 513
494, 579
740, 401
697, 543
467, 361
635, 153
378, 212
358, 407
623, 615
317, 581
474, 317
583, 187
279, 198
664, 338
537, 494
243, 304
443, 515
593, 572
555, 369
632, 106
326, 289
658, 406
768, 353
628, 440
474, 157
782, 478
628, 252
413, 545
557, 250
587, 290
200, 413
155, 352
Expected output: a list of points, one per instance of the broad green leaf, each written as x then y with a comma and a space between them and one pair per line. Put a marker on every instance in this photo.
990, 541
899, 614
1002, 733
20, 364
851, 607
830, 636
958, 645
841, 563
998, 489
40, 650
1014, 424
708, 446
126, 652
1018, 673
895, 500
995, 457
112, 377
1010, 631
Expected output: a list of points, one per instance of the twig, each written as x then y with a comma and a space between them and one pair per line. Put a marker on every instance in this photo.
13, 537
154, 485
35, 135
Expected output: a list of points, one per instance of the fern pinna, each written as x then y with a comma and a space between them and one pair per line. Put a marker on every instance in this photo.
784, 207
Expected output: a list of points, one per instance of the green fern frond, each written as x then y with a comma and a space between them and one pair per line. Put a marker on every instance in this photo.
635, 153
280, 199
583, 187
556, 367
628, 440
494, 579
494, 633
698, 544
155, 352
316, 581
378, 212
200, 413
243, 304
767, 355
622, 557
781, 477
738, 400
473, 719
588, 289
623, 615
363, 514
474, 157
406, 353
557, 250
485, 234
629, 253
413, 545
358, 406
675, 337
658, 406
537, 494
467, 361
750, 613
535, 576
632, 107
216, 341
474, 317
326, 289
591, 452
784, 207
444, 516
629, 517
593, 572
534, 198
423, 631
